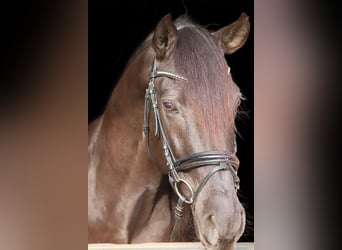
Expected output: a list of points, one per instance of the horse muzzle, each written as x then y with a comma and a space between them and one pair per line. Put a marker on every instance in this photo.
219, 218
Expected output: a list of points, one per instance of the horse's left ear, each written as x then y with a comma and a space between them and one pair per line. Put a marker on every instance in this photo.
234, 36
164, 38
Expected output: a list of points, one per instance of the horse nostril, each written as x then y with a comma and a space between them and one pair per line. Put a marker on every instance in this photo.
212, 235
211, 221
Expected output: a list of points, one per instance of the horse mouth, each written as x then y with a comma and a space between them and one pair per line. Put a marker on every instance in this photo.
223, 245
212, 239
220, 244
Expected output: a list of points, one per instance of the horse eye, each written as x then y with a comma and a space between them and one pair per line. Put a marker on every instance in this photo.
168, 106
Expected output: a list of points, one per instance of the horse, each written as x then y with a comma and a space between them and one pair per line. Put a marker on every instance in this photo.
162, 162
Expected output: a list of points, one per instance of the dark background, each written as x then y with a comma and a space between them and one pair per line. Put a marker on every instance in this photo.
117, 28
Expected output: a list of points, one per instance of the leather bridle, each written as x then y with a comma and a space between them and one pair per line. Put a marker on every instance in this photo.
219, 160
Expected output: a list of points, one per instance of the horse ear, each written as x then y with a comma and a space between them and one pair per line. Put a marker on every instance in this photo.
234, 36
164, 37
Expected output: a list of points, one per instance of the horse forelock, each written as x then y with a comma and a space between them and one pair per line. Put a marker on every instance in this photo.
210, 87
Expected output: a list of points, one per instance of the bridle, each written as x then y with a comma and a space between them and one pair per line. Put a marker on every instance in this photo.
219, 160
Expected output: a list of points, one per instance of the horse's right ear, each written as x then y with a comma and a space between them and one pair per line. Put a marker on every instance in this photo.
164, 38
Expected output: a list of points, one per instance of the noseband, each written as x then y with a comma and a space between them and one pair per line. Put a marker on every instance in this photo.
219, 160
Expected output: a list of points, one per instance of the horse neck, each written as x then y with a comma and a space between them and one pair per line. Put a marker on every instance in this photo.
126, 179
122, 126
127, 100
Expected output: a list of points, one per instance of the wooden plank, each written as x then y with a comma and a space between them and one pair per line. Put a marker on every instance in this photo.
162, 246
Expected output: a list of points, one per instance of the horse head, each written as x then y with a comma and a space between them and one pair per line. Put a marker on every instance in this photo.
191, 101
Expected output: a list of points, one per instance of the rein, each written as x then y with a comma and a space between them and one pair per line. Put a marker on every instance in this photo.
219, 160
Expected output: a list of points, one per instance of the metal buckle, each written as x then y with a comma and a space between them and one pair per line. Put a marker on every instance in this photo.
180, 195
